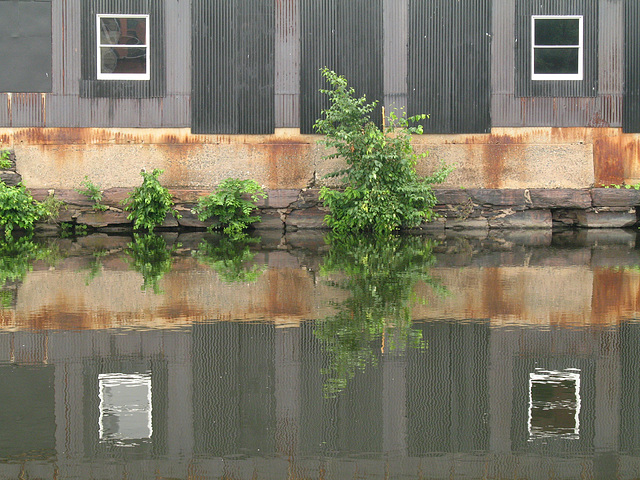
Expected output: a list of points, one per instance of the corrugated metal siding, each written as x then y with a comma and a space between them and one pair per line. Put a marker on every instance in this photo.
631, 112
395, 42
287, 63
345, 36
156, 86
449, 74
525, 87
178, 46
507, 110
233, 66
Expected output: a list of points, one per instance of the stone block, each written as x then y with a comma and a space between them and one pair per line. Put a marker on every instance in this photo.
435, 226
497, 197
615, 197
10, 178
467, 224
281, 198
559, 198
103, 219
270, 220
606, 219
524, 219
190, 219
308, 218
450, 196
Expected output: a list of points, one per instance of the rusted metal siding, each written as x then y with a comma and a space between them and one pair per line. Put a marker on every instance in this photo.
631, 118
565, 109
287, 63
232, 70
449, 64
345, 36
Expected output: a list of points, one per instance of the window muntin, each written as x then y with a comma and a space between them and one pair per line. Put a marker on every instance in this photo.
557, 44
554, 404
123, 47
125, 407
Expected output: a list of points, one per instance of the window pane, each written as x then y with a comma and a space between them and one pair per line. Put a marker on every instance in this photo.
554, 404
557, 31
124, 31
123, 59
556, 60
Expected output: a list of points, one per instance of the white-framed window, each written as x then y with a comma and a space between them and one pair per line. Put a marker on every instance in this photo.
557, 43
125, 407
554, 404
123, 51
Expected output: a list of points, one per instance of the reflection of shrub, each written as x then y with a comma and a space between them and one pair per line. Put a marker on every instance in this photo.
226, 205
151, 258
17, 257
379, 275
230, 258
18, 209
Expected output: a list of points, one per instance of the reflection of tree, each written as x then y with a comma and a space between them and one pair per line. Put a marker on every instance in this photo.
230, 258
151, 258
17, 256
380, 275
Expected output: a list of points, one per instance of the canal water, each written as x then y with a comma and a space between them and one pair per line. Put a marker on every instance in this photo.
511, 356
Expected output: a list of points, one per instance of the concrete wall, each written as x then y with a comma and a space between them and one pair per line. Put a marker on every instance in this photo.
543, 157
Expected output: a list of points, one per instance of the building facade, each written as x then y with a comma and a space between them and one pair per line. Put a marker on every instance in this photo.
520, 94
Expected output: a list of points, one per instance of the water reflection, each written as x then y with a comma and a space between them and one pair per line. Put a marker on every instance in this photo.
151, 258
378, 276
230, 257
529, 366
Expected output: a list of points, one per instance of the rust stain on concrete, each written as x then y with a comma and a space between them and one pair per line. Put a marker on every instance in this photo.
288, 164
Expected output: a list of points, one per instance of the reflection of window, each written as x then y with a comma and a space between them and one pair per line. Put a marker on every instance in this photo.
125, 406
556, 47
123, 47
554, 404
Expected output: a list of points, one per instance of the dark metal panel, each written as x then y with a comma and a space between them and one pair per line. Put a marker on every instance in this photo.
611, 48
287, 63
449, 74
89, 85
631, 110
25, 46
343, 35
28, 109
233, 66
525, 87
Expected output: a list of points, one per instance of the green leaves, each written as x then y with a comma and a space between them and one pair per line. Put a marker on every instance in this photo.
5, 163
18, 209
93, 193
226, 205
149, 203
381, 190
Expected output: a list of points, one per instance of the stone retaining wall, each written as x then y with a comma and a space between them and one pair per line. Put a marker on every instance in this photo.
459, 209
469, 209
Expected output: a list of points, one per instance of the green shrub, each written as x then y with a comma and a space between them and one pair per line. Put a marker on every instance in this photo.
51, 207
149, 203
5, 163
93, 193
381, 190
18, 209
226, 205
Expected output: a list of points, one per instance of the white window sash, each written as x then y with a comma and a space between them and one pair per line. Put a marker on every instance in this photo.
146, 46
579, 48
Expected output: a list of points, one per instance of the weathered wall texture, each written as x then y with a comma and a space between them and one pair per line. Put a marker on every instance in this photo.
542, 157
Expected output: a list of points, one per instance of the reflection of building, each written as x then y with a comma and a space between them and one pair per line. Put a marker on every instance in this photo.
252, 394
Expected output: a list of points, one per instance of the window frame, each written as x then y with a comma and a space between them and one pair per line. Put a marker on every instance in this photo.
579, 76
147, 46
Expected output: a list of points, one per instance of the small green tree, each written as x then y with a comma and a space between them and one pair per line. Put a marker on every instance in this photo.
149, 203
93, 192
381, 190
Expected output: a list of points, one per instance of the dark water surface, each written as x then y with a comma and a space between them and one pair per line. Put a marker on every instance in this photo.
503, 357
